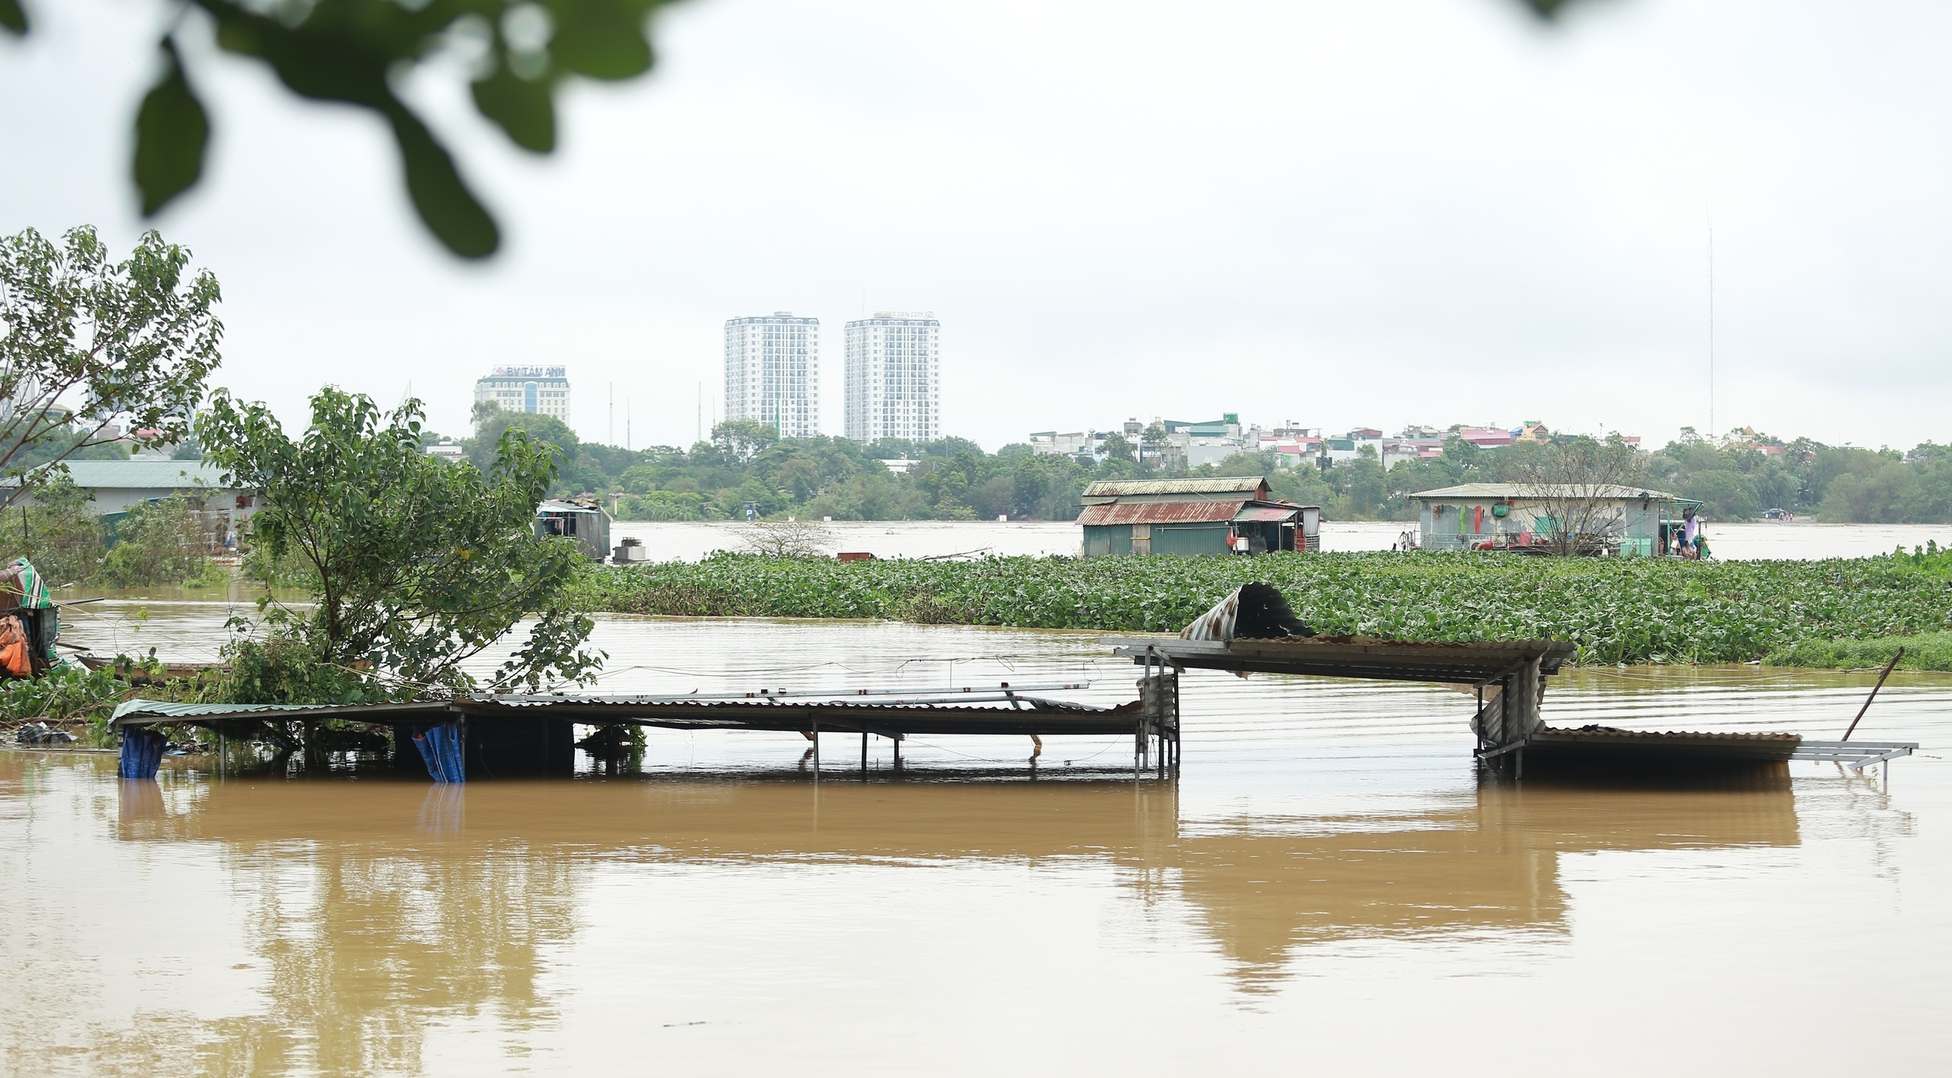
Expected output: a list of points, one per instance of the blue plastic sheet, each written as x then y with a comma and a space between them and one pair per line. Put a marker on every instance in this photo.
142, 752
440, 747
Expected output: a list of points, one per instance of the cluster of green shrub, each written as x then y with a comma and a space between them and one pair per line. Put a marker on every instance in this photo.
1618, 610
745, 464
1926, 651
153, 543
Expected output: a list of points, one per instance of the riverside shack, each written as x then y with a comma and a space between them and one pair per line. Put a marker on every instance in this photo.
1220, 515
584, 522
1611, 519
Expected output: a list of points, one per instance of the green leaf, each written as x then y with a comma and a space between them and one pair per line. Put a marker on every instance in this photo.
522, 108
13, 18
446, 205
603, 39
172, 133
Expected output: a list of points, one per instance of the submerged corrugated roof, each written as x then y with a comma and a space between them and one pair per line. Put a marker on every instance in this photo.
174, 710
1243, 485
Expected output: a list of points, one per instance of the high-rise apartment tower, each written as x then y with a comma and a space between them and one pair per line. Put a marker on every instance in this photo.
772, 372
894, 384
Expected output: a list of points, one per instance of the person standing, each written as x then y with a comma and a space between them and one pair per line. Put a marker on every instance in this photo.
1691, 542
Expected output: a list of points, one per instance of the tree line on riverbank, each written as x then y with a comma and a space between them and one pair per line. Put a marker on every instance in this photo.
1617, 610
745, 463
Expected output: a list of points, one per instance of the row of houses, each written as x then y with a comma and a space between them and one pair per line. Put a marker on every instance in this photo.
1237, 515
1192, 444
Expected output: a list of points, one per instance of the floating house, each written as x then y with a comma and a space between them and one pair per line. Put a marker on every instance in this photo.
1225, 515
588, 524
1608, 519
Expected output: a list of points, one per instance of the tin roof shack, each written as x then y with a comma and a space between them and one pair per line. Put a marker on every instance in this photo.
116, 486
1591, 519
588, 524
1191, 517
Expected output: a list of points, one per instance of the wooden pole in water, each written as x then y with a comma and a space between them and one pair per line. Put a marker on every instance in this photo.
864, 754
1867, 700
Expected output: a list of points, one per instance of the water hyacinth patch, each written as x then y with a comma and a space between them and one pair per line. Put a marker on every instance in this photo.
1617, 610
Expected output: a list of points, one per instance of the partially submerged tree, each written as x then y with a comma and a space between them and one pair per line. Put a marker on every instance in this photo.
88, 344
1574, 488
788, 538
415, 565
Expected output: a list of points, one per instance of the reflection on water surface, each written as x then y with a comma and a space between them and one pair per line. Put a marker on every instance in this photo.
1328, 875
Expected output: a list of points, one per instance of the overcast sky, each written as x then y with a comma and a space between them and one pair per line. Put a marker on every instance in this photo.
1347, 213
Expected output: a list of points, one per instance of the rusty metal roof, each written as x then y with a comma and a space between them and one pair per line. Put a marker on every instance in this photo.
1243, 486
1188, 512
1267, 512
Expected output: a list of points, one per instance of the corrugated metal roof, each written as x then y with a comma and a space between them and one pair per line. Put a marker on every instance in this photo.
146, 474
146, 712
170, 709
1243, 485
1523, 491
1187, 512
1267, 512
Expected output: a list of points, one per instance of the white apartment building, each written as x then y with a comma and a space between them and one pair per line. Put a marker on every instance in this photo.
894, 377
772, 372
535, 390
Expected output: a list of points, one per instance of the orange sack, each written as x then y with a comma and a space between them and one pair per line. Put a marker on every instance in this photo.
13, 649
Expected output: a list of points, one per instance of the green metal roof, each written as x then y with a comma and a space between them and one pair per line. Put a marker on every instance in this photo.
149, 712
161, 475
1544, 492
172, 710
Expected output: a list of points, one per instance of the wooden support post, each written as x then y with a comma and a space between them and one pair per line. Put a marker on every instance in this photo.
864, 754
898, 754
1888, 667
816, 752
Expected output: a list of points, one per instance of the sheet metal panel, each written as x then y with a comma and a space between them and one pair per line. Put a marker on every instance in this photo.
1186, 512
1267, 513
1245, 486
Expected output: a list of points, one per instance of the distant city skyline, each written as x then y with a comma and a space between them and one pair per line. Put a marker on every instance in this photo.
1374, 213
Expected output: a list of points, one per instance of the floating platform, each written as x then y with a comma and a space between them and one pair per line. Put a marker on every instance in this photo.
532, 734
1510, 679
1356, 657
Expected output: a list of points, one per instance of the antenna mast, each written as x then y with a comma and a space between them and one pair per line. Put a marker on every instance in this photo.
1711, 331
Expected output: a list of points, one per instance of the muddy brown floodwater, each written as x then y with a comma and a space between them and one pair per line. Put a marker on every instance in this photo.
1329, 887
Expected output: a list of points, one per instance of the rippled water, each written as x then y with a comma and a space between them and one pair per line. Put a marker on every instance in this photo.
1328, 887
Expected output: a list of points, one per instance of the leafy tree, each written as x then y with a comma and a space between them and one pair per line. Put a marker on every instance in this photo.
128, 342
415, 564
158, 542
741, 440
57, 532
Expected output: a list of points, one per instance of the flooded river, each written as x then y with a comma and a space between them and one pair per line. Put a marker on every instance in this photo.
940, 539
1329, 887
